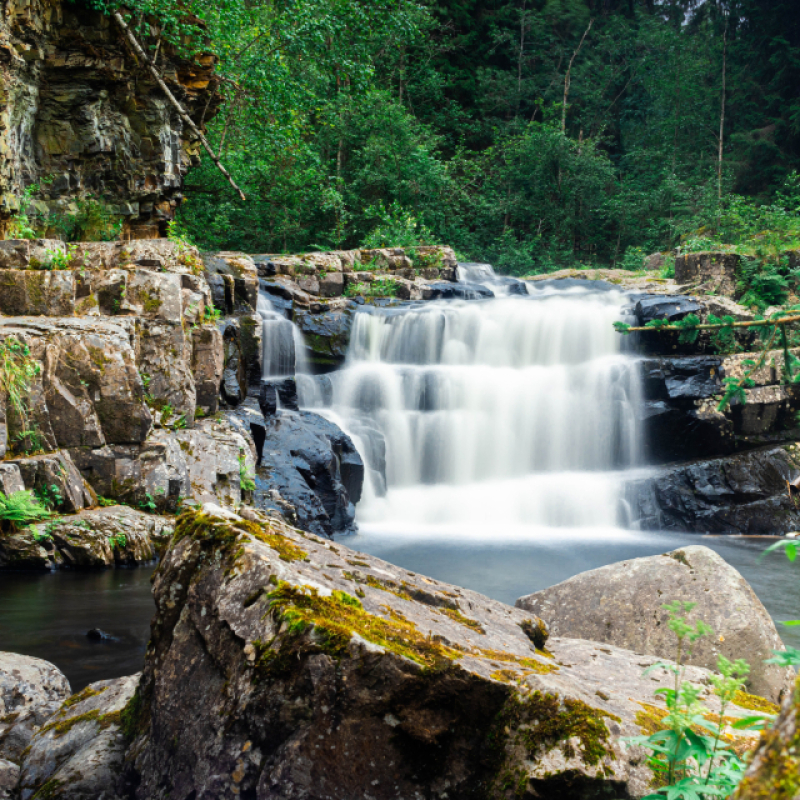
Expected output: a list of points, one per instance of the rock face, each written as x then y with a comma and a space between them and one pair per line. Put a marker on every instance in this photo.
314, 466
715, 272
31, 690
622, 604
743, 493
283, 666
102, 537
78, 753
79, 107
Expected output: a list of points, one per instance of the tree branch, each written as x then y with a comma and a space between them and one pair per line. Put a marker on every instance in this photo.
171, 97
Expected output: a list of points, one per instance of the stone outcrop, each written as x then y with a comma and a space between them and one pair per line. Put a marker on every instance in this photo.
623, 604
282, 665
713, 273
102, 537
78, 753
745, 493
31, 690
80, 109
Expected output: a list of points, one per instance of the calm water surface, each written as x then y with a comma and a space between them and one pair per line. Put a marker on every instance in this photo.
48, 615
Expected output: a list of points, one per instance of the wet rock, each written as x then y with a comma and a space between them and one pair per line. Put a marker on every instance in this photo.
314, 466
234, 372
743, 493
327, 335
20, 550
622, 604
31, 690
455, 291
394, 685
672, 308
78, 753
97, 635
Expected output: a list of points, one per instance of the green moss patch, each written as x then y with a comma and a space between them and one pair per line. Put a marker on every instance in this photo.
530, 664
81, 696
328, 623
457, 616
754, 703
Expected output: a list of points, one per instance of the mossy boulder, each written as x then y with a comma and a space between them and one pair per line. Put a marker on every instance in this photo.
623, 604
284, 665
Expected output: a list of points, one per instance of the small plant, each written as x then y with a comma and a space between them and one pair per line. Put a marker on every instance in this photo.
689, 756
167, 411
21, 223
118, 541
55, 259
49, 496
106, 501
247, 481
92, 221
211, 315
180, 423
148, 504
21, 508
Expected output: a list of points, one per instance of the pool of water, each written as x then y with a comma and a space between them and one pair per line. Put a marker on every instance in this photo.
48, 615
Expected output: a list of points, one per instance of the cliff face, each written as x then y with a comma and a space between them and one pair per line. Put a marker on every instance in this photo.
76, 106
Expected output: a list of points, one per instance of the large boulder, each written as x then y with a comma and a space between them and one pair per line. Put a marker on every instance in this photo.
31, 690
623, 604
284, 666
716, 273
78, 753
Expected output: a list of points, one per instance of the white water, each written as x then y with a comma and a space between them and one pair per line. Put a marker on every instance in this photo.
516, 411
283, 352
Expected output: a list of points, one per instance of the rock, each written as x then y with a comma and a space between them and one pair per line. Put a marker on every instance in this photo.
97, 635
55, 477
672, 308
89, 391
332, 285
23, 254
208, 359
327, 335
385, 684
21, 551
456, 291
9, 777
654, 262
234, 372
314, 466
233, 280
37, 292
78, 754
105, 537
31, 690
744, 493
717, 272
622, 604
10, 478
773, 766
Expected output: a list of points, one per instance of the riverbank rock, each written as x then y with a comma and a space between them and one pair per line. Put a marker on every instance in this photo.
284, 666
623, 604
31, 690
78, 753
744, 493
9, 777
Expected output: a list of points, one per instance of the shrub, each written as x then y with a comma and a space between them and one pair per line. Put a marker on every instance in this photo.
20, 509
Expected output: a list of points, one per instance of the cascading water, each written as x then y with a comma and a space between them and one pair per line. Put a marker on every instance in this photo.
282, 343
516, 410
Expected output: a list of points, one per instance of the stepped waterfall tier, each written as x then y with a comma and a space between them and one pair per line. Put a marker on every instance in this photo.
518, 409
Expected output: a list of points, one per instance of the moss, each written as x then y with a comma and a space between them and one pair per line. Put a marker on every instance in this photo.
680, 557
81, 696
525, 663
755, 703
61, 727
314, 623
134, 719
457, 616
544, 721
47, 790
151, 301
357, 563
286, 549
505, 676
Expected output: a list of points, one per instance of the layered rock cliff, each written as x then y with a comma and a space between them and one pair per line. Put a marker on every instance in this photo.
80, 112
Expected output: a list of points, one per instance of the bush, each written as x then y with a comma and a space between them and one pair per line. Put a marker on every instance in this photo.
20, 509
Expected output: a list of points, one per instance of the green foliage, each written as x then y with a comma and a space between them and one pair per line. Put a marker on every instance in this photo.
396, 227
688, 753
118, 541
49, 496
92, 220
211, 315
20, 509
22, 222
247, 481
148, 504
17, 372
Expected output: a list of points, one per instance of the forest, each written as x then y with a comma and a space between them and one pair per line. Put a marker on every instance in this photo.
535, 134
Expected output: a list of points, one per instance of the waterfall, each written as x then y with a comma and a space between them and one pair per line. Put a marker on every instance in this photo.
283, 352
514, 410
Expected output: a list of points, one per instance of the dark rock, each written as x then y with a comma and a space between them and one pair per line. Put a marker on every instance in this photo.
268, 400
671, 308
623, 604
314, 466
234, 373
443, 290
97, 635
327, 335
744, 493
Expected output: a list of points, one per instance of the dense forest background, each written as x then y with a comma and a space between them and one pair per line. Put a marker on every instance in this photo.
535, 134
